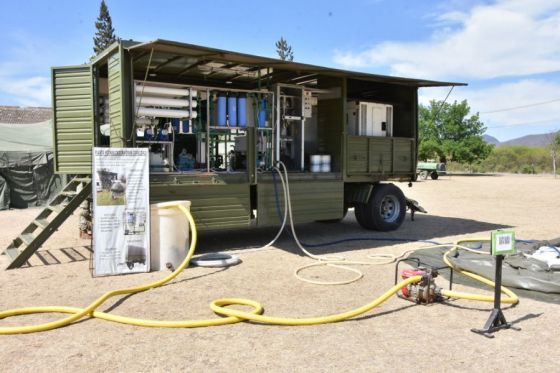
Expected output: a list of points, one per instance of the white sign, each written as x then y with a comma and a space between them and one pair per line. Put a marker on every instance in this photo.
121, 211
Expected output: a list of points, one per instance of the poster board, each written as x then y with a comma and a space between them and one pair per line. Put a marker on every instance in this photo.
121, 211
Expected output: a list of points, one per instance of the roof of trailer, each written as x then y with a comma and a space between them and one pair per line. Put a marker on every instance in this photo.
170, 57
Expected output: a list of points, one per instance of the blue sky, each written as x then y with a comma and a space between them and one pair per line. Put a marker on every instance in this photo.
507, 50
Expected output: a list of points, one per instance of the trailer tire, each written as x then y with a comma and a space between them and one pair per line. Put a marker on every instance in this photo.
434, 175
385, 210
423, 175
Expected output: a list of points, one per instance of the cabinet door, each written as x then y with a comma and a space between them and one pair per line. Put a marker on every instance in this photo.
73, 128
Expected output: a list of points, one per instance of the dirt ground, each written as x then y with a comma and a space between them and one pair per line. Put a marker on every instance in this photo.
397, 336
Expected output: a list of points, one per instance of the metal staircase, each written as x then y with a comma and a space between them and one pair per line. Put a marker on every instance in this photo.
48, 221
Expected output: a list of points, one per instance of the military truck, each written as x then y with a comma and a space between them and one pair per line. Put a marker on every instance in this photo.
216, 123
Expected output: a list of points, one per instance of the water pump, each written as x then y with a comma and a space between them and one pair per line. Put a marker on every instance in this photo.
424, 291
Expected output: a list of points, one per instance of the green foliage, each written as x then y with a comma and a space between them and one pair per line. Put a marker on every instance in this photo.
448, 133
105, 34
512, 159
284, 50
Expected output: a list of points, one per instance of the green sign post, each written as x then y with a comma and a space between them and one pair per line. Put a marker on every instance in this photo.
502, 243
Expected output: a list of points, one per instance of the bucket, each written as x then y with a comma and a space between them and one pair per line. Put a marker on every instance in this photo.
169, 235
325, 163
315, 163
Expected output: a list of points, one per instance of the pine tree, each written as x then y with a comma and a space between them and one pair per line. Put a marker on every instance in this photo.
105, 34
284, 50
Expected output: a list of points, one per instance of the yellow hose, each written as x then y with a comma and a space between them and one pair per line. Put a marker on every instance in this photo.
511, 298
218, 306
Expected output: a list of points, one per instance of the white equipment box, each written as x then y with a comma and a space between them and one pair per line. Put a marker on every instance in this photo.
369, 119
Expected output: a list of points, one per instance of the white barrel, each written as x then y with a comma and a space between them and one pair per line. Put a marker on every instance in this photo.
163, 101
325, 167
165, 91
165, 113
169, 235
315, 168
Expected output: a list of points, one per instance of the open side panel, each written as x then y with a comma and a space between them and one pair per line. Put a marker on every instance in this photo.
73, 118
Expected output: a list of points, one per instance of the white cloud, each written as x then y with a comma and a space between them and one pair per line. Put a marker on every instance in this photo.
507, 38
508, 123
31, 91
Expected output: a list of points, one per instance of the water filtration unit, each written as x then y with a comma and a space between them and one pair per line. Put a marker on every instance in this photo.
217, 122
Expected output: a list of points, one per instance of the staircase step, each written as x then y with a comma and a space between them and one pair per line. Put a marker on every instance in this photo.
82, 179
56, 208
27, 238
41, 223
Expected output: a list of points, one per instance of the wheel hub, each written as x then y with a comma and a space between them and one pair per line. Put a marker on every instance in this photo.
390, 208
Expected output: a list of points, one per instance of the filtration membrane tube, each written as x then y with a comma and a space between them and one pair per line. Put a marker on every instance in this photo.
221, 108
242, 111
232, 110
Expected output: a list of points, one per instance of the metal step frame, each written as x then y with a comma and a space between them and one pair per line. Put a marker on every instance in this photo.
48, 221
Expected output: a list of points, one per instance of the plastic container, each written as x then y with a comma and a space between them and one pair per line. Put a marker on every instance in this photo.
242, 111
232, 110
326, 163
315, 163
169, 235
221, 109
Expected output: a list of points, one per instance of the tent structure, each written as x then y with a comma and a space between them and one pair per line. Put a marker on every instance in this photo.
26, 165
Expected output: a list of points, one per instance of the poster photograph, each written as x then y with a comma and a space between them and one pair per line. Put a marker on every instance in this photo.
121, 211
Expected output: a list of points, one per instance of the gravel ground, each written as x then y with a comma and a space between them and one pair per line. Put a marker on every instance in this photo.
397, 336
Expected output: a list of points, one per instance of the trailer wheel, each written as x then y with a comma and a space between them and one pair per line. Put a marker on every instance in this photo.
434, 175
423, 175
385, 210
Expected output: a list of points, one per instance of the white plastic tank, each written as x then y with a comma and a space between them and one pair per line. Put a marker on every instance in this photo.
169, 235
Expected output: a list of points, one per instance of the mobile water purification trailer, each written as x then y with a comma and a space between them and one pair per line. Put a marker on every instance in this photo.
217, 122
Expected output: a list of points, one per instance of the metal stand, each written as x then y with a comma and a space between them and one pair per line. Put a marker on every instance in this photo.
497, 320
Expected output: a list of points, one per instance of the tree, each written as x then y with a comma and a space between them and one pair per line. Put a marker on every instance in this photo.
448, 133
284, 50
554, 144
105, 34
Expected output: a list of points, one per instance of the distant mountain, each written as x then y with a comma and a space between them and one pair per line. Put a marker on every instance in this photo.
528, 140
490, 140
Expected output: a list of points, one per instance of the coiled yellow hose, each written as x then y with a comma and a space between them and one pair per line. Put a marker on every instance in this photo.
511, 298
218, 306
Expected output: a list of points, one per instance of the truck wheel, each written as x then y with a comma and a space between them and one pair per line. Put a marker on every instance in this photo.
385, 210
423, 175
434, 175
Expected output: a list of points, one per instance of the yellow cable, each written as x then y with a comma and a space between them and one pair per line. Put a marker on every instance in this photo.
218, 306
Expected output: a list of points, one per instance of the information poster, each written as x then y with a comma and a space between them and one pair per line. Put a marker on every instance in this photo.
121, 211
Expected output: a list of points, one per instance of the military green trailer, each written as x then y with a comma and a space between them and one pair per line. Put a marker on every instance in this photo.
217, 122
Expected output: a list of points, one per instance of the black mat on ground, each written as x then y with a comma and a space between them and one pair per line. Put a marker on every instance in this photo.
530, 278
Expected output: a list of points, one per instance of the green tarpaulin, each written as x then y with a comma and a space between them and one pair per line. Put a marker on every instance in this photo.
26, 165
